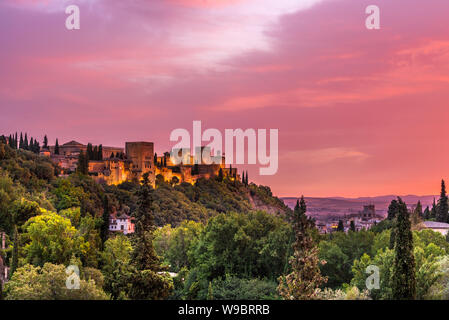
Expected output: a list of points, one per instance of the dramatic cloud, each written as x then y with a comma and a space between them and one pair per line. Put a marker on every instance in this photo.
359, 112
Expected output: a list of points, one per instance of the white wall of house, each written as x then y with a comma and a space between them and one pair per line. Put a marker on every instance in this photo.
122, 225
442, 231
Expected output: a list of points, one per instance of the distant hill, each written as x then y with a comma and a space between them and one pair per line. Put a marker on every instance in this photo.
335, 206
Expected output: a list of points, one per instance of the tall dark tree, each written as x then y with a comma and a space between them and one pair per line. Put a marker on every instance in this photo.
352, 226
426, 214
340, 226
220, 175
243, 177
15, 253
105, 226
57, 146
100, 152
37, 148
45, 145
94, 155
25, 142
392, 210
403, 278
195, 169
83, 163
146, 282
21, 141
433, 211
145, 258
417, 214
442, 208
90, 151
418, 209
305, 279
15, 141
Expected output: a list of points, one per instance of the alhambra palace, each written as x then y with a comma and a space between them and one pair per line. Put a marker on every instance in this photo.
120, 165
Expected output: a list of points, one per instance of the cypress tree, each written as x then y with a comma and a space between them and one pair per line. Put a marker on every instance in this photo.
418, 209
15, 141
403, 278
417, 214
433, 211
94, 155
21, 141
15, 252
340, 226
105, 226
305, 279
89, 151
36, 146
25, 142
100, 152
243, 177
220, 175
145, 258
442, 208
146, 283
45, 145
392, 210
426, 213
352, 226
57, 146
83, 164
1, 290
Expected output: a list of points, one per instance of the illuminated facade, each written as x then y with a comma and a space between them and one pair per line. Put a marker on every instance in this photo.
137, 159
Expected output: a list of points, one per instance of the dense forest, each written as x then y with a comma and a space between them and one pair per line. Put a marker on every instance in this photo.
216, 239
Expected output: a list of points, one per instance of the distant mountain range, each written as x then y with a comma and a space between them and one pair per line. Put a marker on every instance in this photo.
337, 206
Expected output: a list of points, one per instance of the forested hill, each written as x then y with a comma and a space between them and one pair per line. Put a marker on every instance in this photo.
51, 222
30, 177
198, 202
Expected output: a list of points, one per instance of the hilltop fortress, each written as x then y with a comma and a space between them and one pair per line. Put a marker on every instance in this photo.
117, 165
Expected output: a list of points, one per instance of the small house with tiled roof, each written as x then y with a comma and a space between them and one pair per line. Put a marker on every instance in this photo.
121, 222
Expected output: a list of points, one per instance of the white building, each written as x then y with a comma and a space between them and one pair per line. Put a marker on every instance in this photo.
440, 227
121, 223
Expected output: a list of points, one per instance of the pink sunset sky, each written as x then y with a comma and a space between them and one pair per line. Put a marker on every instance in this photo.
360, 112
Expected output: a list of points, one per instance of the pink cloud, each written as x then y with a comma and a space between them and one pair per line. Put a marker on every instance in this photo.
373, 103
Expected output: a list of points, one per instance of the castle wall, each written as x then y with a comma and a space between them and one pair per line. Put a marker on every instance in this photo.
141, 155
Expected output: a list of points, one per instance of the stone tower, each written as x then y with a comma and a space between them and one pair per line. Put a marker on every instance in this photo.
141, 155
